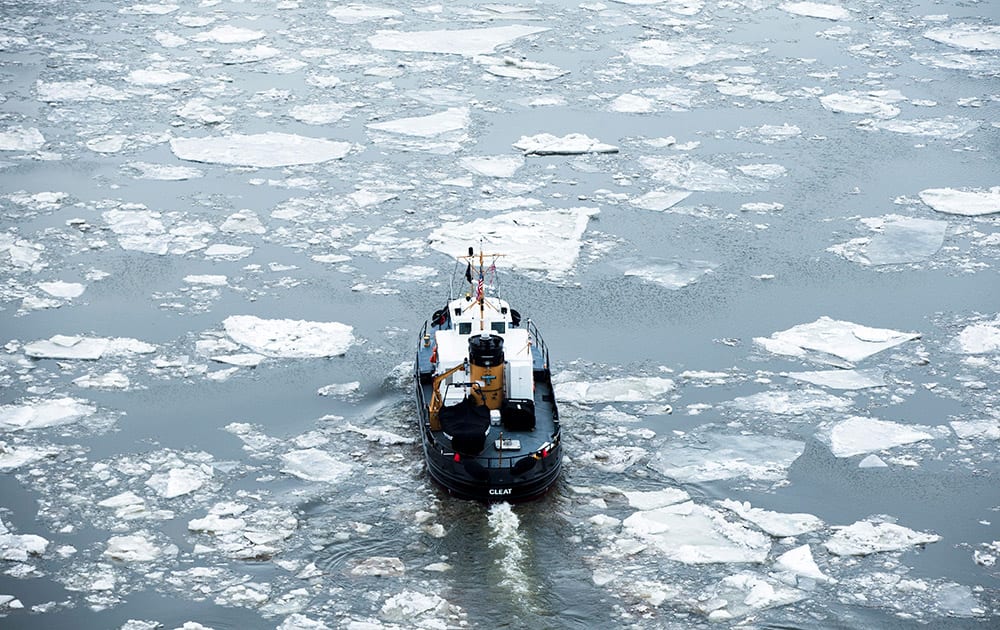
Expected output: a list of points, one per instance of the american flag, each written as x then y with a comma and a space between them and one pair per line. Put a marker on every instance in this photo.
479, 287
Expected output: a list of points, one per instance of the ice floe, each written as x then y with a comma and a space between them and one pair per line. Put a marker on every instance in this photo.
716, 456
680, 53
859, 434
164, 172
800, 561
442, 132
690, 174
513, 68
791, 403
14, 456
816, 10
21, 139
669, 274
313, 464
856, 103
660, 200
467, 42
138, 547
86, 348
868, 537
971, 37
40, 414
966, 202
179, 481
841, 379
896, 239
981, 338
696, 534
777, 524
357, 13
570, 144
849, 341
288, 338
263, 150
543, 242
628, 389
492, 165
746, 592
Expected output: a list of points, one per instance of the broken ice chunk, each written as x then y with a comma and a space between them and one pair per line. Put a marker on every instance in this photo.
717, 456
800, 562
262, 150
867, 537
289, 338
967, 202
631, 389
858, 435
467, 42
39, 414
982, 338
179, 481
313, 464
777, 524
842, 379
570, 144
846, 340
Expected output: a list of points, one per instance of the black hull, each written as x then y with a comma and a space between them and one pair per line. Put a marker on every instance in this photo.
493, 485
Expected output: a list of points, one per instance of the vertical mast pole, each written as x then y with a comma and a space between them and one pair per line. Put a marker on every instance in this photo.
480, 282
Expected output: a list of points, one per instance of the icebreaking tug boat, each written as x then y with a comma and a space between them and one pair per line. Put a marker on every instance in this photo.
484, 392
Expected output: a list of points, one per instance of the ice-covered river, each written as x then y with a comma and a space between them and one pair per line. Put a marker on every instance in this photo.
760, 238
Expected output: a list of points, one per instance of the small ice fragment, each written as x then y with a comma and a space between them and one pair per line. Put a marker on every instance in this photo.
842, 379
179, 481
380, 566
872, 461
982, 338
800, 562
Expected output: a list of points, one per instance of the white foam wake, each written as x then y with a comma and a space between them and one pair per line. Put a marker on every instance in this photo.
506, 538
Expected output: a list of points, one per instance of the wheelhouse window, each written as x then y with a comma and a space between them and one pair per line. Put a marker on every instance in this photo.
499, 327
465, 328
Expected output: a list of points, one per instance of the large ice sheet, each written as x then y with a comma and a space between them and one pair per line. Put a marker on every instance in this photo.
468, 42
859, 434
719, 456
263, 150
696, 534
966, 202
289, 338
451, 119
544, 242
846, 340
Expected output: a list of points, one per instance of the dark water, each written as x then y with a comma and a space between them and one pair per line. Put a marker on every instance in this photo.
294, 550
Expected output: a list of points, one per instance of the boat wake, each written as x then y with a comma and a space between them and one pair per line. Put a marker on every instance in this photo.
506, 538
